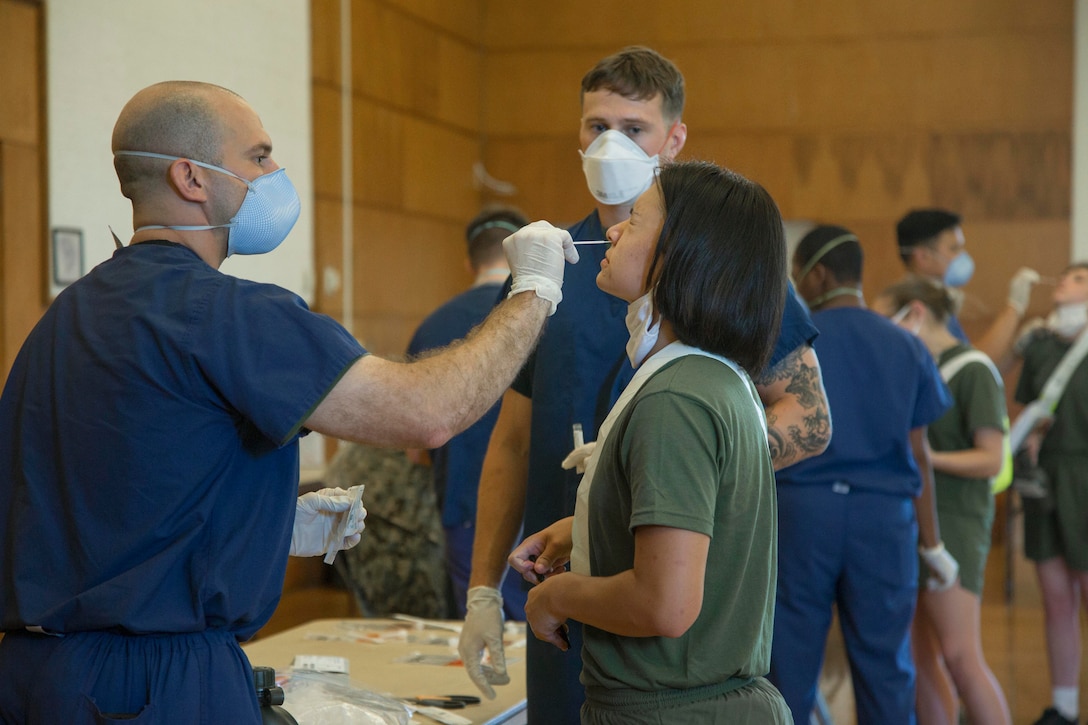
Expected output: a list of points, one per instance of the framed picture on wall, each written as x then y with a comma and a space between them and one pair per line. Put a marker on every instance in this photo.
67, 255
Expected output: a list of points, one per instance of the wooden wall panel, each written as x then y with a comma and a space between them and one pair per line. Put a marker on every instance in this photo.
547, 172
460, 18
735, 86
378, 134
437, 170
1002, 82
417, 77
20, 72
534, 93
325, 41
22, 242
328, 256
1003, 175
849, 112
22, 179
609, 24
327, 142
406, 264
460, 74
409, 64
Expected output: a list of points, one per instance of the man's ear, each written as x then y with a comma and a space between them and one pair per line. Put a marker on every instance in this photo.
675, 142
189, 180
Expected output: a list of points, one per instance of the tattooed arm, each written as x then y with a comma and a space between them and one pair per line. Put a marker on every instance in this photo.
798, 419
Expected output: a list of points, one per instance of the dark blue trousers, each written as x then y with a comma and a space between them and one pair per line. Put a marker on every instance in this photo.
459, 540
858, 551
97, 677
554, 691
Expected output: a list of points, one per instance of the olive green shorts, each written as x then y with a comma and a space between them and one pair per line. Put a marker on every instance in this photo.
1058, 524
967, 538
757, 703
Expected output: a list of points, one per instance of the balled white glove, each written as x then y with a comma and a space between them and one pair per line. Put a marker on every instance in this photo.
319, 515
1020, 288
943, 567
483, 630
535, 254
578, 458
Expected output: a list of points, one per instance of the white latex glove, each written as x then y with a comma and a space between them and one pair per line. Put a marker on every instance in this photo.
535, 254
578, 458
944, 568
1020, 288
483, 630
318, 515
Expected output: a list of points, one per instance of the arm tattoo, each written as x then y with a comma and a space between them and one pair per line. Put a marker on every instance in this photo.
806, 429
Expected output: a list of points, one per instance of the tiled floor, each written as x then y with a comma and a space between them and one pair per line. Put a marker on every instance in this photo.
1012, 640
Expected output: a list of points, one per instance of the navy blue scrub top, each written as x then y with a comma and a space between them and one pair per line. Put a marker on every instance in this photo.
881, 383
149, 447
579, 369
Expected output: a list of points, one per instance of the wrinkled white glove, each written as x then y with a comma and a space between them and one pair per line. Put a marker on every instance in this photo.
535, 254
483, 630
578, 458
1020, 288
318, 515
943, 567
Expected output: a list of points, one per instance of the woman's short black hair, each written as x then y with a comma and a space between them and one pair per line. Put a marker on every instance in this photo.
720, 264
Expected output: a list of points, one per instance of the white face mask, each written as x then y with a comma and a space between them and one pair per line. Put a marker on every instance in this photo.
617, 169
642, 329
1069, 319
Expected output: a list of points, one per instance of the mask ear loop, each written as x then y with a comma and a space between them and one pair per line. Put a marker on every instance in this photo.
901, 314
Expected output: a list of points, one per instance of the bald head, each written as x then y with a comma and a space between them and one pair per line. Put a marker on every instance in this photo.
178, 118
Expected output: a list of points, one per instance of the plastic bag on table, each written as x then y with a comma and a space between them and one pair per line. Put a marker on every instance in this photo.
316, 698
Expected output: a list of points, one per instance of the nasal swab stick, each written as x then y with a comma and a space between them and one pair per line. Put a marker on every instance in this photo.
602, 241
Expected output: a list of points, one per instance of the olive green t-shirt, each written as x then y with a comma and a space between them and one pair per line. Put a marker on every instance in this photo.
1067, 434
690, 452
978, 401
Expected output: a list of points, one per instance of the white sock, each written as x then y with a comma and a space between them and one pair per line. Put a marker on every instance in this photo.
1065, 702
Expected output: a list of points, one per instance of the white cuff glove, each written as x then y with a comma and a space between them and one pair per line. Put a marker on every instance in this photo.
482, 630
1020, 288
943, 567
578, 458
319, 516
535, 254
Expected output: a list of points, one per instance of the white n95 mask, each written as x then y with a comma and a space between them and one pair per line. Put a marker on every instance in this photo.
617, 169
268, 212
1068, 319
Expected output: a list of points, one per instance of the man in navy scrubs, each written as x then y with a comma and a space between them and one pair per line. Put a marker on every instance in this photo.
149, 429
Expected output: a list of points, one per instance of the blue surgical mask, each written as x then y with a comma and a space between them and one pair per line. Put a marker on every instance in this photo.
265, 218
960, 270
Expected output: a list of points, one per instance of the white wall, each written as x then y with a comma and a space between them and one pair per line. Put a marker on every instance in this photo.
101, 52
